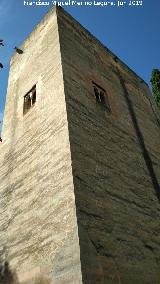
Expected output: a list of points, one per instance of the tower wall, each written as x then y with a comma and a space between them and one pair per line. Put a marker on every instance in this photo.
37, 201
69, 160
115, 158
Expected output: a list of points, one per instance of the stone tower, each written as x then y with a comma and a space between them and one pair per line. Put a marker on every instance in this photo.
79, 181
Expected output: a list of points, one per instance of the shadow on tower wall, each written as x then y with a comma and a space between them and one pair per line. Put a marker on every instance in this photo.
139, 135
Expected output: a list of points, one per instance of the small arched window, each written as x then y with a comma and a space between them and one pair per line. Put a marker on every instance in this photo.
29, 99
101, 96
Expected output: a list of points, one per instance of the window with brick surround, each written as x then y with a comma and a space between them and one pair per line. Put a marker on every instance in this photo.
29, 99
101, 96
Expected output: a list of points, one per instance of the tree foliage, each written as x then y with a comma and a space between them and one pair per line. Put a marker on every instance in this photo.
155, 82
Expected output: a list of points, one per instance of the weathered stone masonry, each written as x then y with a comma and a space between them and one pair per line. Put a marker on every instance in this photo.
79, 184
38, 217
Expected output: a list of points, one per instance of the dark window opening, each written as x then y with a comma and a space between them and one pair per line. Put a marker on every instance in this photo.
29, 100
101, 97
96, 94
33, 96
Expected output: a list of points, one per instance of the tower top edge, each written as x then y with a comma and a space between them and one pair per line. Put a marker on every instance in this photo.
58, 10
44, 19
62, 10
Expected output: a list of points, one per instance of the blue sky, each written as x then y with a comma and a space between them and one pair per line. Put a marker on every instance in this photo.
131, 32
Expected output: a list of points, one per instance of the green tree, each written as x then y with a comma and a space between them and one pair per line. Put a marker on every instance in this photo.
155, 82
